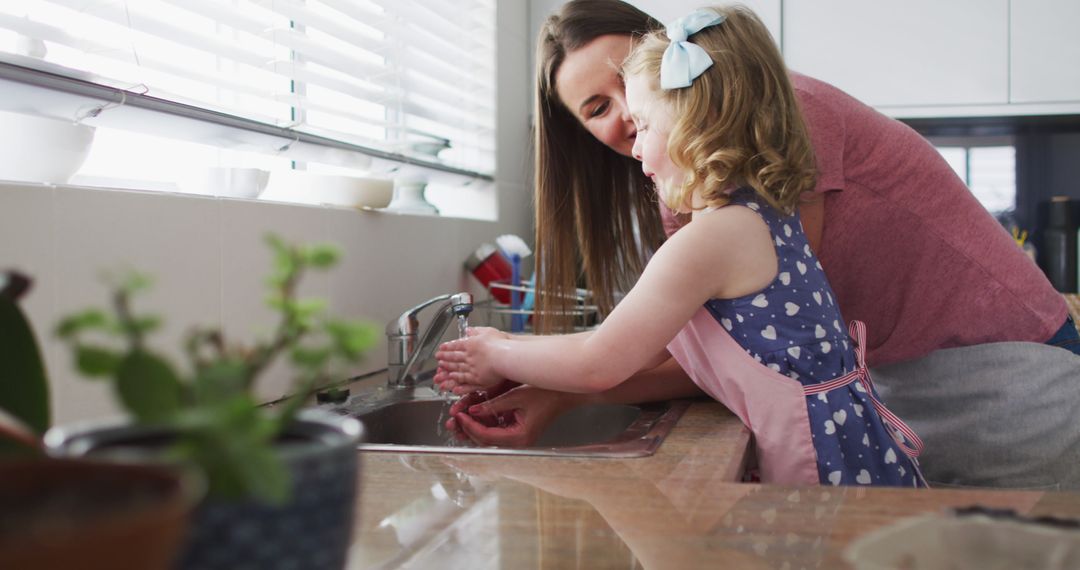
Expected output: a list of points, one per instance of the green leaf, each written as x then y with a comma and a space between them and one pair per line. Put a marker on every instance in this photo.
284, 264
352, 338
233, 442
133, 282
220, 381
90, 319
95, 361
277, 245
24, 389
146, 324
310, 358
262, 473
322, 256
307, 308
148, 387
276, 302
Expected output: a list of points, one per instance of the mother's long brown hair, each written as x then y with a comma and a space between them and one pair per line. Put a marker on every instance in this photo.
596, 213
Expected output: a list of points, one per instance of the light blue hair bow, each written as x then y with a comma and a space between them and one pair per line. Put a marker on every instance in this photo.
683, 60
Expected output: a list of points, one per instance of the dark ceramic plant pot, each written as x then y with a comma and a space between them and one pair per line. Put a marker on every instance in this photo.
312, 531
73, 513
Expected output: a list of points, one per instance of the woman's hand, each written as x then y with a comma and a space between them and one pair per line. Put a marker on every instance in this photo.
462, 405
465, 365
515, 418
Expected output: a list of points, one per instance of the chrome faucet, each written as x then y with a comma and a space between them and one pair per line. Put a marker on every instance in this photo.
405, 352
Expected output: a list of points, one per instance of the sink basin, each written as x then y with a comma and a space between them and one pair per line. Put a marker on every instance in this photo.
600, 430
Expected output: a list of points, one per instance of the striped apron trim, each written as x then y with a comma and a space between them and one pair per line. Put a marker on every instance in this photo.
858, 335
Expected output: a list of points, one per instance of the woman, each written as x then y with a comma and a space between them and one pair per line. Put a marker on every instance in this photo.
955, 311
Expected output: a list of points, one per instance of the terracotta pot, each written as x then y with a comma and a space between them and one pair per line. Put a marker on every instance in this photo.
71, 513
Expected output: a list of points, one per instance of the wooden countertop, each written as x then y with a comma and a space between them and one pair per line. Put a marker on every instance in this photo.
679, 508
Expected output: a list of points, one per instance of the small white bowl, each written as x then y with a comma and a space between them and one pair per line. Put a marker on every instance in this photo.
42, 149
333, 189
228, 182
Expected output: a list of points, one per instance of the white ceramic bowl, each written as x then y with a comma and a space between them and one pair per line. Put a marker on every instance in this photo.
229, 182
353, 191
42, 149
333, 189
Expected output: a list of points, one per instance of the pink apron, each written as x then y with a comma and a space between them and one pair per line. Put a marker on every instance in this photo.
771, 405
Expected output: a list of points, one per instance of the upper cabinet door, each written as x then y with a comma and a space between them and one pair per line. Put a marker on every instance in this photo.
1045, 51
892, 53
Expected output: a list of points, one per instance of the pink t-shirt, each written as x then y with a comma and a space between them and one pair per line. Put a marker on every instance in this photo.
907, 248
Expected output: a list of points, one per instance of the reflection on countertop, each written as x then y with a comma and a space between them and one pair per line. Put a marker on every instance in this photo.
680, 508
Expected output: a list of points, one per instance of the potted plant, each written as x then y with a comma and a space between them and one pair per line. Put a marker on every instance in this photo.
281, 481
72, 513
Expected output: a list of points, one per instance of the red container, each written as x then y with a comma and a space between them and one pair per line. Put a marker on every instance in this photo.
489, 266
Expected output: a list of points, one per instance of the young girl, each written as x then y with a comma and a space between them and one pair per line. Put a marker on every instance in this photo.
720, 134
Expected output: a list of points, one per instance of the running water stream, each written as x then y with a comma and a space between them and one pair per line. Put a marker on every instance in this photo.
448, 397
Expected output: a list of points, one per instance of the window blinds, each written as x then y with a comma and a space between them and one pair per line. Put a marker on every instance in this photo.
399, 76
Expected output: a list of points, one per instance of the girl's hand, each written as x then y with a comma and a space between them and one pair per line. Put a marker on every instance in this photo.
465, 364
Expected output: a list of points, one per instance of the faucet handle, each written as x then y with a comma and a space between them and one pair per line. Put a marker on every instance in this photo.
404, 349
408, 324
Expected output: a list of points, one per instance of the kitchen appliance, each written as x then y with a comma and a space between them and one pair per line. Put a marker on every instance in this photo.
1057, 256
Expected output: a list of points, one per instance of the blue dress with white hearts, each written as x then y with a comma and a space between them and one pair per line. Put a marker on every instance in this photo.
794, 327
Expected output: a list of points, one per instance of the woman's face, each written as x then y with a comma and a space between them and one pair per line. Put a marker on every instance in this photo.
588, 83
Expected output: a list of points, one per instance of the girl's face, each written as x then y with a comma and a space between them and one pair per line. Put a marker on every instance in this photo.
588, 83
652, 117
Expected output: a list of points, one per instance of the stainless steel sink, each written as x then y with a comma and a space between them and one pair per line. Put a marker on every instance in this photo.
414, 424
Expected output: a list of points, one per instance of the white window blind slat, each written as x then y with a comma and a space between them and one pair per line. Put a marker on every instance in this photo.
130, 17
252, 21
385, 72
359, 28
341, 83
449, 38
149, 70
225, 48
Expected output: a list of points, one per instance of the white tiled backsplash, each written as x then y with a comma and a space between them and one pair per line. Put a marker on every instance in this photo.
209, 264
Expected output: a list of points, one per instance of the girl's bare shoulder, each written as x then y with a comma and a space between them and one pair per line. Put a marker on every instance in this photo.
727, 225
730, 247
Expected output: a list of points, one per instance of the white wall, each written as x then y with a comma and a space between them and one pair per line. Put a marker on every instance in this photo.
209, 261
665, 11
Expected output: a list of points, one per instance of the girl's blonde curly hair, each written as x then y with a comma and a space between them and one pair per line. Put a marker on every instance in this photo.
739, 123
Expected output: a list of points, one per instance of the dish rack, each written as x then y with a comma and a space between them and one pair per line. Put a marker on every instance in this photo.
490, 312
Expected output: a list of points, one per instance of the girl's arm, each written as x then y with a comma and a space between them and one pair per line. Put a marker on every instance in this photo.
726, 253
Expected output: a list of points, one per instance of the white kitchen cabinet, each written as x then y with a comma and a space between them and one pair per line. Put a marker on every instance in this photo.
903, 54
1045, 55
667, 10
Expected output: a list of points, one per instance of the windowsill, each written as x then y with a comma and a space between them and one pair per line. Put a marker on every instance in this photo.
172, 189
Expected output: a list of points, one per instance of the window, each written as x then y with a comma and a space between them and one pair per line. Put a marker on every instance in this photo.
371, 86
987, 166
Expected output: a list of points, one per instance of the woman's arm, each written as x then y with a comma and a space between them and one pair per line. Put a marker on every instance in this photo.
518, 417
667, 381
